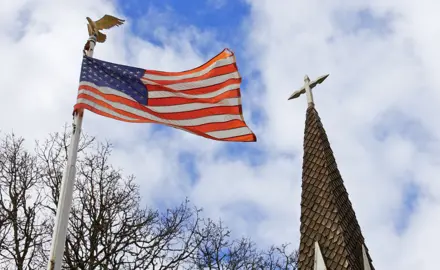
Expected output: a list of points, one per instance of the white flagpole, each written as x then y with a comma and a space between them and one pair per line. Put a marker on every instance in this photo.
66, 192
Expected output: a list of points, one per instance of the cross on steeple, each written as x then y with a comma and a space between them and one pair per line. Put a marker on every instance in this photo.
307, 88
331, 237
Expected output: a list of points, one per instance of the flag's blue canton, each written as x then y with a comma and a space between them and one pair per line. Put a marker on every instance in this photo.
118, 77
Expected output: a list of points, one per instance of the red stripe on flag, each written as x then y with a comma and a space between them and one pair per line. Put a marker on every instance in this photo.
243, 138
217, 126
215, 72
224, 54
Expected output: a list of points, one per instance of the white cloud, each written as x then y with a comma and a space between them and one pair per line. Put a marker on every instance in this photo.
373, 72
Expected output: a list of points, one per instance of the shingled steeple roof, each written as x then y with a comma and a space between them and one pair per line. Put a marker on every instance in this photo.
331, 237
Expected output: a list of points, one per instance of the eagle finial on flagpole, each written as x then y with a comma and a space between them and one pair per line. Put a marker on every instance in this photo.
106, 22
93, 27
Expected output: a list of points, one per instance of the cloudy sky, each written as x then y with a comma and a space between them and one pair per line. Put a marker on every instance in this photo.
380, 106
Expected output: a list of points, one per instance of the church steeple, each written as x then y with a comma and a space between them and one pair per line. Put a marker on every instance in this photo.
331, 237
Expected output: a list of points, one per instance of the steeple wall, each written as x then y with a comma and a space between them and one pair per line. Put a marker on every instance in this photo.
327, 216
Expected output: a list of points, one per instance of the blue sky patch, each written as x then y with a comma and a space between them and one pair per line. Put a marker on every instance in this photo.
395, 122
222, 17
353, 22
247, 210
411, 195
249, 153
189, 162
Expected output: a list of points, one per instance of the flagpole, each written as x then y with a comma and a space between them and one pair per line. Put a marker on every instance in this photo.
67, 183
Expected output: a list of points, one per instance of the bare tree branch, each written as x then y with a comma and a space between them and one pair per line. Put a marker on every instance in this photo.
22, 225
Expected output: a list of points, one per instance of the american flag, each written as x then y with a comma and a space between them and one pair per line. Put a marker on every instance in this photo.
204, 100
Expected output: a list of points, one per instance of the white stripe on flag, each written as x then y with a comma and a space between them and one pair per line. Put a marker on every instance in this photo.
165, 94
222, 134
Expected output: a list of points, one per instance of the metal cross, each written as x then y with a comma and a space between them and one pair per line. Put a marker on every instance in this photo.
307, 88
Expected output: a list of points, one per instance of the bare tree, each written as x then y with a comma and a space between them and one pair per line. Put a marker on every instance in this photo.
21, 225
171, 239
108, 226
219, 251
279, 257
